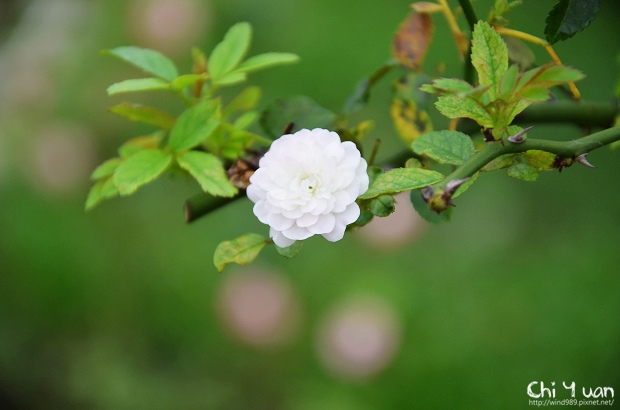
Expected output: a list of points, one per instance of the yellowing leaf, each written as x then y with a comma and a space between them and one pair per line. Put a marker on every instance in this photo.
409, 122
242, 250
489, 56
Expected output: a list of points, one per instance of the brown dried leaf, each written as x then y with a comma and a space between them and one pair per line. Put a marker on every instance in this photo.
412, 40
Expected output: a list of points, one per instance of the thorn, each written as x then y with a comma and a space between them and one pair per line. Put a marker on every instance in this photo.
427, 193
583, 160
518, 137
453, 185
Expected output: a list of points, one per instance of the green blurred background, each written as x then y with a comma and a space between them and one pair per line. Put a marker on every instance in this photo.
121, 308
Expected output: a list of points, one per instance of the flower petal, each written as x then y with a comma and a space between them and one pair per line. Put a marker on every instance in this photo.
279, 239
324, 224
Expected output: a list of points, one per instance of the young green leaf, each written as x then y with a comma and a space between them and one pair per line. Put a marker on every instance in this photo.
300, 110
489, 56
138, 84
535, 93
569, 17
137, 144
186, 80
144, 114
195, 125
401, 179
232, 78
245, 100
230, 51
465, 186
523, 171
245, 120
102, 189
452, 85
445, 147
290, 251
508, 82
541, 160
453, 106
150, 61
106, 169
139, 169
207, 169
242, 250
262, 61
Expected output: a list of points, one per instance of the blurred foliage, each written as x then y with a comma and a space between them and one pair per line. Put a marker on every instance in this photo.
120, 308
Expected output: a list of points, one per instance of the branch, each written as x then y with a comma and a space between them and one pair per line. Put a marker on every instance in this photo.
469, 12
563, 149
470, 15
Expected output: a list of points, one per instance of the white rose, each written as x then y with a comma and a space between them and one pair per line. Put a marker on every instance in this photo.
307, 184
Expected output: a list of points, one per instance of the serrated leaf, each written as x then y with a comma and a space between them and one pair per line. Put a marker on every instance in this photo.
102, 189
300, 110
194, 125
262, 61
208, 170
242, 250
453, 106
445, 147
535, 93
291, 251
412, 40
150, 61
557, 74
144, 114
230, 51
501, 162
401, 179
137, 144
489, 57
422, 208
382, 205
569, 17
137, 85
106, 169
455, 85
522, 171
139, 169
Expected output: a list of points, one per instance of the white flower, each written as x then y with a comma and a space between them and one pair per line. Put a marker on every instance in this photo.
307, 184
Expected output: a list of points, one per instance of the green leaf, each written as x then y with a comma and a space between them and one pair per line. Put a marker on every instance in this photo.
231, 79
541, 160
569, 17
465, 186
508, 82
242, 250
382, 206
141, 143
142, 113
445, 147
102, 189
290, 251
139, 169
186, 80
150, 61
535, 93
426, 212
138, 84
194, 125
453, 106
208, 170
558, 74
501, 162
489, 56
245, 100
455, 85
106, 169
245, 120
266, 60
230, 51
523, 171
401, 179
300, 110
361, 94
